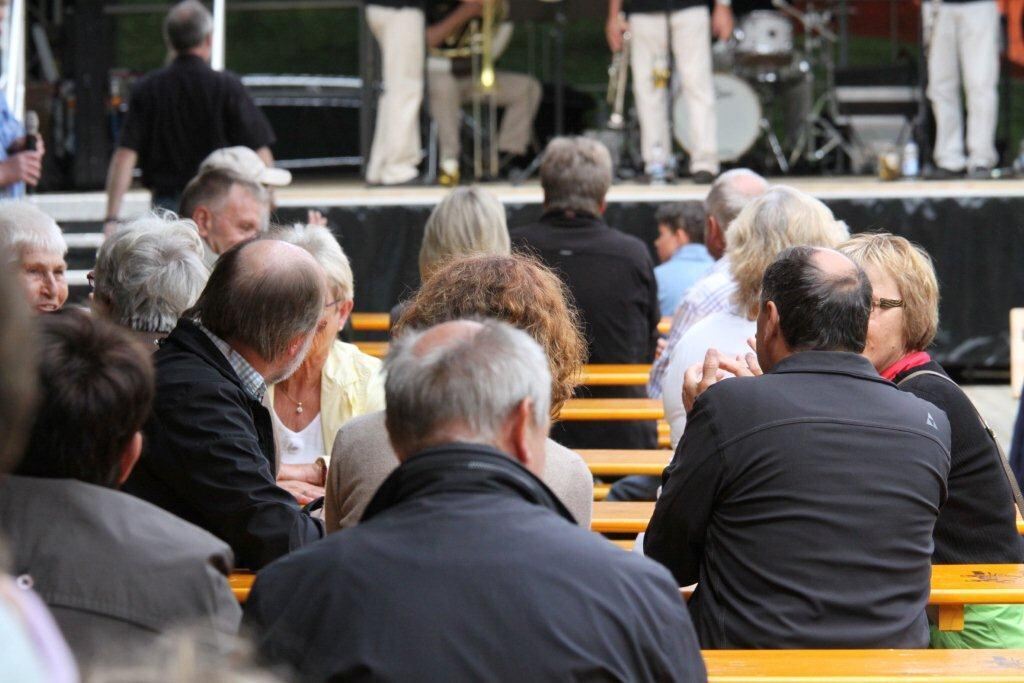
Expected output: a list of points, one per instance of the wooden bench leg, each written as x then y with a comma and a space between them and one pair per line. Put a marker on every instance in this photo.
951, 617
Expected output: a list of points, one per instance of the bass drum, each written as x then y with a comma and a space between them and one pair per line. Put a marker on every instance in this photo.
737, 112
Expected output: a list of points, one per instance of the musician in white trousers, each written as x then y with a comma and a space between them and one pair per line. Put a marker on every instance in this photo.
964, 45
688, 25
398, 26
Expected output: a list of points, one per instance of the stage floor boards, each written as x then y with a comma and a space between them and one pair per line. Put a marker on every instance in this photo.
328, 192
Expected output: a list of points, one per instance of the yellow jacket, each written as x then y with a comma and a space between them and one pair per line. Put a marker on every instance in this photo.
352, 384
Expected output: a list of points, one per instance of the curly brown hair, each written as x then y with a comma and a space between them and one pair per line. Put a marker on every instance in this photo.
517, 289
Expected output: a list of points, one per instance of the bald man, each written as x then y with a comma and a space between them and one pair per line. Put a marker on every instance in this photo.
209, 448
803, 500
464, 556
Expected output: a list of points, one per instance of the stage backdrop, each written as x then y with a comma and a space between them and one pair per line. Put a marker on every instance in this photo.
977, 244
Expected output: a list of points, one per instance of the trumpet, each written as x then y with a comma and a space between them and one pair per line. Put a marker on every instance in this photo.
618, 79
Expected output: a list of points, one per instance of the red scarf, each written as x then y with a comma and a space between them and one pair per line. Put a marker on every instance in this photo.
911, 360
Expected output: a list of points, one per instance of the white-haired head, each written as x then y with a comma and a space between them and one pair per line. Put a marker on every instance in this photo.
24, 227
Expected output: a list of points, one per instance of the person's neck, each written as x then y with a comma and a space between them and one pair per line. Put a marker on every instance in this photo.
258, 363
307, 377
201, 52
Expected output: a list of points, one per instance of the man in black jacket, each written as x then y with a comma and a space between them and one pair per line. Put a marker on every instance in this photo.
209, 455
610, 275
466, 566
803, 501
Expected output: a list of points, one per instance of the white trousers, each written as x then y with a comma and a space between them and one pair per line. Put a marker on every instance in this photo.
518, 94
396, 149
691, 49
964, 50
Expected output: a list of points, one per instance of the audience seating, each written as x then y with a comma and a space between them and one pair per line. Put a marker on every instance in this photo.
863, 666
615, 375
381, 322
612, 409
621, 463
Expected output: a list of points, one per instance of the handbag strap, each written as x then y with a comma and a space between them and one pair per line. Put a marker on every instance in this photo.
1010, 478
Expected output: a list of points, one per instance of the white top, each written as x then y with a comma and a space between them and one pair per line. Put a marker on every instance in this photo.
726, 332
300, 448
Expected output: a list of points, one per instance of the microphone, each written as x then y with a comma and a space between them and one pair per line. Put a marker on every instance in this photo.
31, 130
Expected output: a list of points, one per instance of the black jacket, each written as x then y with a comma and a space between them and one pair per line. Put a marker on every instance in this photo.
978, 523
209, 454
803, 502
611, 277
467, 568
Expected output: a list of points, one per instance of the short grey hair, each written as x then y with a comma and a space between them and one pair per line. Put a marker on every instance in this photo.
211, 189
474, 383
321, 243
575, 173
150, 271
24, 227
731, 192
470, 220
187, 25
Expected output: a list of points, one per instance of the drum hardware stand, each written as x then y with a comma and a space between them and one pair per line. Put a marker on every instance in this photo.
774, 145
818, 40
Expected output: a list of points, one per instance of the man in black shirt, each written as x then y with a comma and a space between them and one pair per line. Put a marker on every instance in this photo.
804, 500
177, 115
610, 275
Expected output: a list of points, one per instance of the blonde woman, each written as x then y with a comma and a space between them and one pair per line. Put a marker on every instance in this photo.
335, 383
977, 525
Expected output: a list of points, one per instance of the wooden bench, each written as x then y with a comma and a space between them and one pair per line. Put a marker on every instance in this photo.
377, 349
241, 584
863, 666
619, 517
665, 324
615, 375
621, 463
612, 409
371, 322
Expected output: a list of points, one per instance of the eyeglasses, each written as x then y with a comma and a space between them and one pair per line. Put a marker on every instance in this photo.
885, 304
332, 304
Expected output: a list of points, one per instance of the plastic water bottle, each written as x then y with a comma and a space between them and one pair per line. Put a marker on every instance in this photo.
656, 169
911, 166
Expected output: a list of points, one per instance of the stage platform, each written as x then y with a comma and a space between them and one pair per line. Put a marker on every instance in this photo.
973, 229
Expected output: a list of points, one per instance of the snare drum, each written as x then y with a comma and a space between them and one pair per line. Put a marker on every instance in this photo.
764, 38
737, 112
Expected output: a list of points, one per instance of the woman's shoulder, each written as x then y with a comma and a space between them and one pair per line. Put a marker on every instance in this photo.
346, 360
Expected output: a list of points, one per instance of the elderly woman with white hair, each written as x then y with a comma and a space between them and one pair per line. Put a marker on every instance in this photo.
35, 244
781, 218
148, 273
335, 382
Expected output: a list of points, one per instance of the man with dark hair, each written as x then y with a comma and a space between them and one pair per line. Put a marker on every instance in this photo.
681, 251
177, 115
227, 209
210, 455
116, 571
804, 500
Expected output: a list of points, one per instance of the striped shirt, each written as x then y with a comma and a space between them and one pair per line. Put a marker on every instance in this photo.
253, 381
711, 294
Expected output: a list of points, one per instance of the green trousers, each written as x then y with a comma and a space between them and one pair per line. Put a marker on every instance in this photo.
985, 627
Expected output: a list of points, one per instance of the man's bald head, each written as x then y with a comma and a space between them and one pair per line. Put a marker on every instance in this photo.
465, 381
822, 297
263, 294
188, 26
729, 195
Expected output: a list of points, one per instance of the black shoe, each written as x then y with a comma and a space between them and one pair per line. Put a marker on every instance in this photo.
511, 165
703, 178
940, 173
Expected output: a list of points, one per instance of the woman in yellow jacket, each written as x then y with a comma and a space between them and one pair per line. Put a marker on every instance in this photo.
335, 382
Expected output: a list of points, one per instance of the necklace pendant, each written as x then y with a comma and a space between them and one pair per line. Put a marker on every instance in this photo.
298, 410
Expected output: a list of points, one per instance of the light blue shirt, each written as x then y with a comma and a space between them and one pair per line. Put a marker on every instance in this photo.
10, 130
678, 274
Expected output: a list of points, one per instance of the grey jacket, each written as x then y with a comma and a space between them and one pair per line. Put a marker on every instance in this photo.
362, 459
115, 571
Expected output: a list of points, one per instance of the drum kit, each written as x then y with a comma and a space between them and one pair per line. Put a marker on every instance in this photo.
764, 85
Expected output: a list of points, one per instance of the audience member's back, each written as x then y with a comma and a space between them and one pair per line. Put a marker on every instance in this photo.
610, 275
804, 500
466, 566
115, 570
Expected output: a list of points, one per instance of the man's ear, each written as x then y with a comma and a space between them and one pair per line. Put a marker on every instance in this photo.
202, 217
518, 433
296, 344
129, 456
602, 207
772, 328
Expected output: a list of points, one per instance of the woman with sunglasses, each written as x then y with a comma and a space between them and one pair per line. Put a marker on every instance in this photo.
335, 382
977, 525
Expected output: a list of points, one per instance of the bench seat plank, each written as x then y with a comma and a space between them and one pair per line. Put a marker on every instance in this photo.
620, 463
612, 409
864, 666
